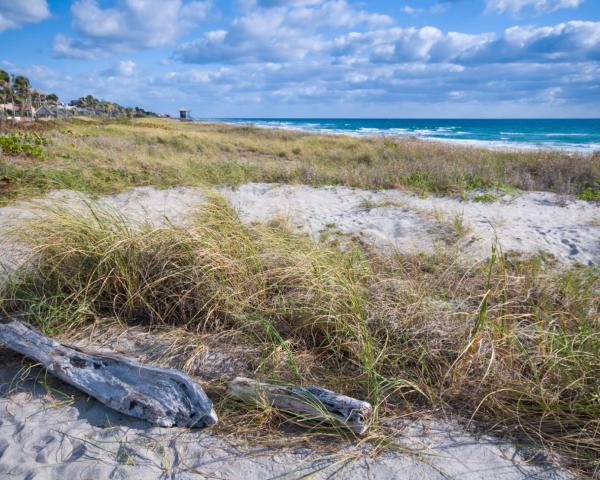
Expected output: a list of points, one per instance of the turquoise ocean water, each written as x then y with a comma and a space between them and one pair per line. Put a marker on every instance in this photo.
582, 135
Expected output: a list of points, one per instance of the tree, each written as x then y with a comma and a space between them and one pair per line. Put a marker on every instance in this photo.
89, 102
4, 90
52, 99
22, 89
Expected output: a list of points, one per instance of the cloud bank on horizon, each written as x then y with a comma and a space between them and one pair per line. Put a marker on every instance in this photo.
314, 57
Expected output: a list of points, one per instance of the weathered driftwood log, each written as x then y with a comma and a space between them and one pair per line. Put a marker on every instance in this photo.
309, 403
164, 397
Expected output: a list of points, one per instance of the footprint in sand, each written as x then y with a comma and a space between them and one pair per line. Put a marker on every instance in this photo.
573, 250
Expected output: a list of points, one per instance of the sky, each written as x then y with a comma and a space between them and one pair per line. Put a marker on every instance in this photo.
313, 58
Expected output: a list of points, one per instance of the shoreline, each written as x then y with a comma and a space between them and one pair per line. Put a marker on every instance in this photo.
495, 145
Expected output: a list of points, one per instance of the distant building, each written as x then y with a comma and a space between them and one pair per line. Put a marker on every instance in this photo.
185, 114
59, 110
83, 112
6, 107
46, 112
20, 112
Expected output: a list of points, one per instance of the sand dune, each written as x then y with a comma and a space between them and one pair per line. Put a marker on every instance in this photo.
42, 437
526, 222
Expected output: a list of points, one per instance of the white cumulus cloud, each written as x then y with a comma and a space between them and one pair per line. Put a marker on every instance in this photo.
278, 30
126, 68
123, 69
311, 57
67, 47
574, 41
15, 13
565, 42
130, 25
537, 6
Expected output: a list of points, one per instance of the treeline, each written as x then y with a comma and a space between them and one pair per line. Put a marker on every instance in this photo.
109, 109
17, 95
18, 98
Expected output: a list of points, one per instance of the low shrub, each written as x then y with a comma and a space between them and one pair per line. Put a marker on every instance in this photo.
27, 143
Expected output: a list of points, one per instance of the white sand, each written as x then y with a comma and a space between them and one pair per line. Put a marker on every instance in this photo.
41, 438
528, 222
69, 435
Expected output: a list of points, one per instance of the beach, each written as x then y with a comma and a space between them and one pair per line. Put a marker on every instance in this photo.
299, 239
63, 434
569, 135
53, 435
405, 271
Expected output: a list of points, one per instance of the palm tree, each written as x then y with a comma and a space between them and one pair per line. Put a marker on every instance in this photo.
4, 90
11, 94
36, 99
22, 88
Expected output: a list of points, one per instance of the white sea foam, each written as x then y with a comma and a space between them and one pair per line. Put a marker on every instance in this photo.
446, 134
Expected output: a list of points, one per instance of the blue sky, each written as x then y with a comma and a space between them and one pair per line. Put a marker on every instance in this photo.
314, 58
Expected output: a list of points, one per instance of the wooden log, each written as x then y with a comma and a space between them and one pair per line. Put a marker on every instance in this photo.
164, 397
311, 403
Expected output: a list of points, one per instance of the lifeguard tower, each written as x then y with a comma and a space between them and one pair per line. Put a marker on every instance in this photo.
185, 114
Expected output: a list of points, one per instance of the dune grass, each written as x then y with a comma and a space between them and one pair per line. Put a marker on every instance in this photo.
510, 344
107, 156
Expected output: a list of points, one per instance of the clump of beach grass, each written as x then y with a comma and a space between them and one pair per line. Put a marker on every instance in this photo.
510, 344
107, 156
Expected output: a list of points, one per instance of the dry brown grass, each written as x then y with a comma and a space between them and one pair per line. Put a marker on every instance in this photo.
511, 344
108, 156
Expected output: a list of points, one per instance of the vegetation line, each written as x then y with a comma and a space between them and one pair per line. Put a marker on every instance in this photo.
107, 156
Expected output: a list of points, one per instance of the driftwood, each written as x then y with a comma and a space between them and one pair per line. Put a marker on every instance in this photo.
309, 403
164, 397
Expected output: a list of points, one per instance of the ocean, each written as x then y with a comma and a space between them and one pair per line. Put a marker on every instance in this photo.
578, 135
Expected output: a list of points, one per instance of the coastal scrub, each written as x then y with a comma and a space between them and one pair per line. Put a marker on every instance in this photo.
108, 156
510, 344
